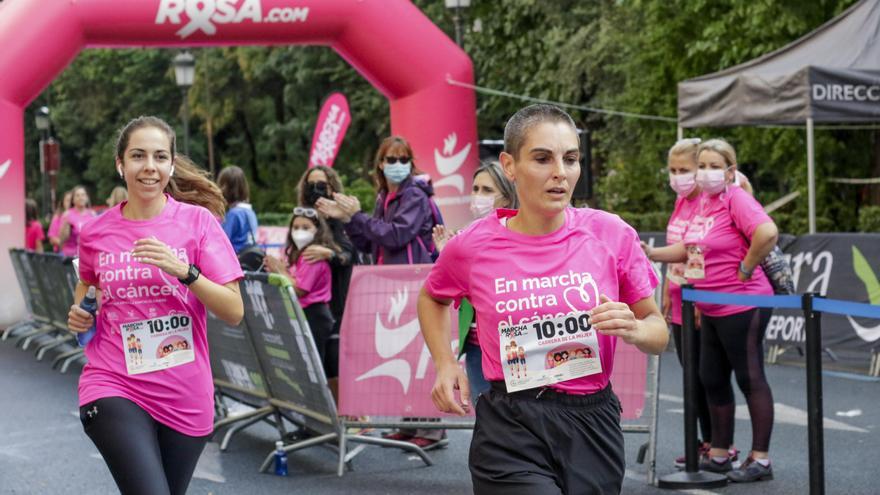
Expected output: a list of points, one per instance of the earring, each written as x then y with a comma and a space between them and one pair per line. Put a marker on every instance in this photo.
120, 173
171, 174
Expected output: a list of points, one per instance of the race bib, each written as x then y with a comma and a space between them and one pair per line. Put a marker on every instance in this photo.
157, 343
696, 263
675, 273
549, 351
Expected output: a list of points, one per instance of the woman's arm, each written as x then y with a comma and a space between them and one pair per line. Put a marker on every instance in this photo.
222, 300
64, 232
639, 324
675, 253
434, 321
763, 239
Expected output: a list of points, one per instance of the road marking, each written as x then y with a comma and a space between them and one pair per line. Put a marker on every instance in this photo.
785, 414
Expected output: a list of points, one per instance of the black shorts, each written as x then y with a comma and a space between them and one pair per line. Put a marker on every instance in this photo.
534, 443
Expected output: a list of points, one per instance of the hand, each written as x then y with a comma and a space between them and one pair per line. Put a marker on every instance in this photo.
332, 209
646, 248
450, 377
152, 251
315, 253
742, 277
274, 265
349, 204
441, 236
616, 319
698, 318
79, 320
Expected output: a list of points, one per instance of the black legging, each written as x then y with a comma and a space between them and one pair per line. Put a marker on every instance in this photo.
144, 456
321, 324
700, 392
736, 342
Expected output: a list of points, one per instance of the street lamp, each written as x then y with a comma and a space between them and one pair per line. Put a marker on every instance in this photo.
457, 5
184, 72
41, 120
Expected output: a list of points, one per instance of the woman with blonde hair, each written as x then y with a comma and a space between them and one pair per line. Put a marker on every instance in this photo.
724, 244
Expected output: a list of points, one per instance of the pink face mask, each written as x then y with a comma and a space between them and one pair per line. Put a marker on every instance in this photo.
712, 181
683, 184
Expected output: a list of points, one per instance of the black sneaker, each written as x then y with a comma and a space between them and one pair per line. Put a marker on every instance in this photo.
751, 470
707, 463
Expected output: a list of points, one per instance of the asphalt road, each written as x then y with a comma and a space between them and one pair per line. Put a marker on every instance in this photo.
44, 451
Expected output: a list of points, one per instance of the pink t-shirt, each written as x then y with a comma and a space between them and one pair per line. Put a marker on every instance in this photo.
722, 227
675, 229
181, 397
76, 220
314, 279
512, 278
33, 235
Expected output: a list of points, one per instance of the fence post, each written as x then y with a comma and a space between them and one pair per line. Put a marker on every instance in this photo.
815, 418
691, 477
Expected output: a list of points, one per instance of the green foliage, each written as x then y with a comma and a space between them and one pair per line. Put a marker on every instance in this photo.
258, 105
869, 219
273, 218
646, 222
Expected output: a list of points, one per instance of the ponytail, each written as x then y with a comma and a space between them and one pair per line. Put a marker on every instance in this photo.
192, 184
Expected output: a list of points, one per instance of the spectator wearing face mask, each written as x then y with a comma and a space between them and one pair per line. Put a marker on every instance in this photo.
311, 280
398, 232
316, 183
491, 190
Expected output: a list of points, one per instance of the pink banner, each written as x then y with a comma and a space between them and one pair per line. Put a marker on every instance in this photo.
330, 130
385, 368
437, 118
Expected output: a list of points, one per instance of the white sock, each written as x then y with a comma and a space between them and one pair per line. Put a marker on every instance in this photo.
719, 460
763, 462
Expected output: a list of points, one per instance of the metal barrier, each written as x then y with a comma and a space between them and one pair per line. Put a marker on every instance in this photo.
813, 306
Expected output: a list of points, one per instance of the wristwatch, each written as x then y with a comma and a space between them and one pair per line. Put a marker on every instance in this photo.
191, 276
742, 269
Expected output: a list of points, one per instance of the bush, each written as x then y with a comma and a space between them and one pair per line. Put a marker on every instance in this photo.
869, 219
798, 224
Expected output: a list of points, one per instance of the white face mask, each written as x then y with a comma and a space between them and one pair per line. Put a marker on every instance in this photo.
482, 205
302, 238
712, 180
683, 184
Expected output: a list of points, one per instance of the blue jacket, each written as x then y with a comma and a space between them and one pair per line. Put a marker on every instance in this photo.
240, 225
403, 232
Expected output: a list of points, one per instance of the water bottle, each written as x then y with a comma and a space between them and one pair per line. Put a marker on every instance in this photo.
280, 459
90, 304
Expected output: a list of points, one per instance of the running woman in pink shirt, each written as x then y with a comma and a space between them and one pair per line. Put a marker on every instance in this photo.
552, 278
159, 263
723, 245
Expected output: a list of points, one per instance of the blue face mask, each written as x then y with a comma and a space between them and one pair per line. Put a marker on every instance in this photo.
397, 172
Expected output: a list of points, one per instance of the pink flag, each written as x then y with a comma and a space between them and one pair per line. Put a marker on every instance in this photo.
329, 130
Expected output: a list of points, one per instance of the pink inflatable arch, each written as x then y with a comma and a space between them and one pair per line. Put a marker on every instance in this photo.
390, 42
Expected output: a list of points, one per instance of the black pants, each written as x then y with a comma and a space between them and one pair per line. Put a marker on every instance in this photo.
736, 342
321, 323
144, 456
700, 394
552, 443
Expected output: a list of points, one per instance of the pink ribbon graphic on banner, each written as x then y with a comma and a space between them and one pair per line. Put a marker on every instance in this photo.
329, 130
